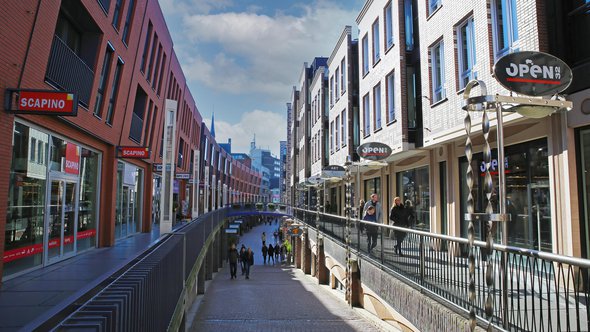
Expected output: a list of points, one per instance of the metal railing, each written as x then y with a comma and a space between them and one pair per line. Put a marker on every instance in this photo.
145, 297
68, 72
546, 292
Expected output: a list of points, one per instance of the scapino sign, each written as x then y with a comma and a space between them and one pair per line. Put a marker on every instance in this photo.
41, 102
134, 152
533, 73
374, 151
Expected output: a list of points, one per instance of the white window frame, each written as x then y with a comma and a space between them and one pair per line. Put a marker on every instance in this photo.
377, 106
343, 75
376, 40
438, 88
510, 31
466, 65
388, 21
390, 96
366, 115
365, 54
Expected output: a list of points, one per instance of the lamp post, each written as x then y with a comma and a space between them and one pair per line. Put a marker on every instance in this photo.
527, 107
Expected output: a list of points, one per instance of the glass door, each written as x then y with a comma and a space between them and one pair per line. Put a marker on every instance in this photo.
61, 221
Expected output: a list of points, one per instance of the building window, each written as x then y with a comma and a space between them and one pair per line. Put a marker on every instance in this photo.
331, 91
150, 68
377, 106
336, 77
146, 47
409, 24
433, 5
367, 115
343, 128
331, 137
466, 52
365, 55
505, 27
138, 113
437, 73
114, 91
128, 18
388, 14
376, 39
117, 14
102, 81
105, 4
390, 97
343, 75
336, 132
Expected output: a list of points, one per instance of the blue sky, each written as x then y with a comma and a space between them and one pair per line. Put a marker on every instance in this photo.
241, 58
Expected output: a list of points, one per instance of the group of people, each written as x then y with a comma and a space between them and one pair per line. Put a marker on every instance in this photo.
245, 257
275, 253
399, 215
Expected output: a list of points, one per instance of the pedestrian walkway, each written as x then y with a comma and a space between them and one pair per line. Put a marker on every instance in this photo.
32, 298
275, 298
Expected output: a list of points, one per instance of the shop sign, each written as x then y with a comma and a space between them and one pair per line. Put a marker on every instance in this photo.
231, 231
41, 102
72, 161
533, 73
374, 151
333, 171
183, 176
134, 152
157, 167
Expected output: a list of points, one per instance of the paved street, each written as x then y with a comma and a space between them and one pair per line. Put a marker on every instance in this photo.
275, 298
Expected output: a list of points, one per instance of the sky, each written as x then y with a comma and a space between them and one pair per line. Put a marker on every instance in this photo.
241, 58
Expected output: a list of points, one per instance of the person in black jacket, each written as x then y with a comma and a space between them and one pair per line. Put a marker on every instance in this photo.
243, 259
399, 216
232, 257
249, 261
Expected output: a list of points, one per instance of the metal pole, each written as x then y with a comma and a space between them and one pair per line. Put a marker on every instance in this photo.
502, 210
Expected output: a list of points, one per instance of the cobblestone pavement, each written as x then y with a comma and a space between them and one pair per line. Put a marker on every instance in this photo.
275, 298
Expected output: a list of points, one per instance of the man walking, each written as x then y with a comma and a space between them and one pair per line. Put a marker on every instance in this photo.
374, 202
249, 261
232, 257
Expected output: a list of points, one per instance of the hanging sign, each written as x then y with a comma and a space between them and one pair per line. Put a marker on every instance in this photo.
134, 152
374, 151
333, 171
41, 102
533, 73
183, 176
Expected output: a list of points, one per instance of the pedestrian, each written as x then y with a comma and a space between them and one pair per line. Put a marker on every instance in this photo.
243, 259
264, 252
277, 252
271, 254
398, 215
232, 258
361, 209
263, 237
249, 261
372, 229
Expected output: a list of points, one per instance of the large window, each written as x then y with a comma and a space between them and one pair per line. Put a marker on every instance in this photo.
414, 190
128, 19
343, 128
336, 77
528, 198
88, 209
366, 115
433, 5
409, 24
466, 52
365, 55
332, 137
437, 73
102, 81
331, 91
343, 75
376, 40
505, 27
114, 91
388, 14
337, 132
377, 106
390, 97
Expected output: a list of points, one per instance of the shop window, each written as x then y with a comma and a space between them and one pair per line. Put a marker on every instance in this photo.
527, 194
88, 209
414, 190
24, 233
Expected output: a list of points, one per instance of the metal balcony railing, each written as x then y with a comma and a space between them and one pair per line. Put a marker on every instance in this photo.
68, 72
136, 127
545, 292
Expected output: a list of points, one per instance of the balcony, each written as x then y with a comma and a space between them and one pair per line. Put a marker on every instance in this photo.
68, 72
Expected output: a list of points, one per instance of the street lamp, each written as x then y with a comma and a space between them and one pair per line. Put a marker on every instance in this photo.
528, 107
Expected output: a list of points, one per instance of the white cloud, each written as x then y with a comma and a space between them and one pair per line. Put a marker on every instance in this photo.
170, 7
269, 128
259, 53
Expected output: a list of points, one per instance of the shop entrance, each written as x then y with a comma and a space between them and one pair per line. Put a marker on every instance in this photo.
61, 221
127, 225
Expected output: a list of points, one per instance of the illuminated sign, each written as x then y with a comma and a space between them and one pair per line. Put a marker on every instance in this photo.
72, 160
134, 152
41, 102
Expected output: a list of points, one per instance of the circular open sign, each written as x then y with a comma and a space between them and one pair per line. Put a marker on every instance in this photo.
533, 73
374, 151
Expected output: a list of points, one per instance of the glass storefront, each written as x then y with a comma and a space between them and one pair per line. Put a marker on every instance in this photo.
372, 186
53, 187
584, 176
414, 190
527, 194
128, 205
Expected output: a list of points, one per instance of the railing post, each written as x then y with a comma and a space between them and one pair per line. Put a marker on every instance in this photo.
422, 258
382, 251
